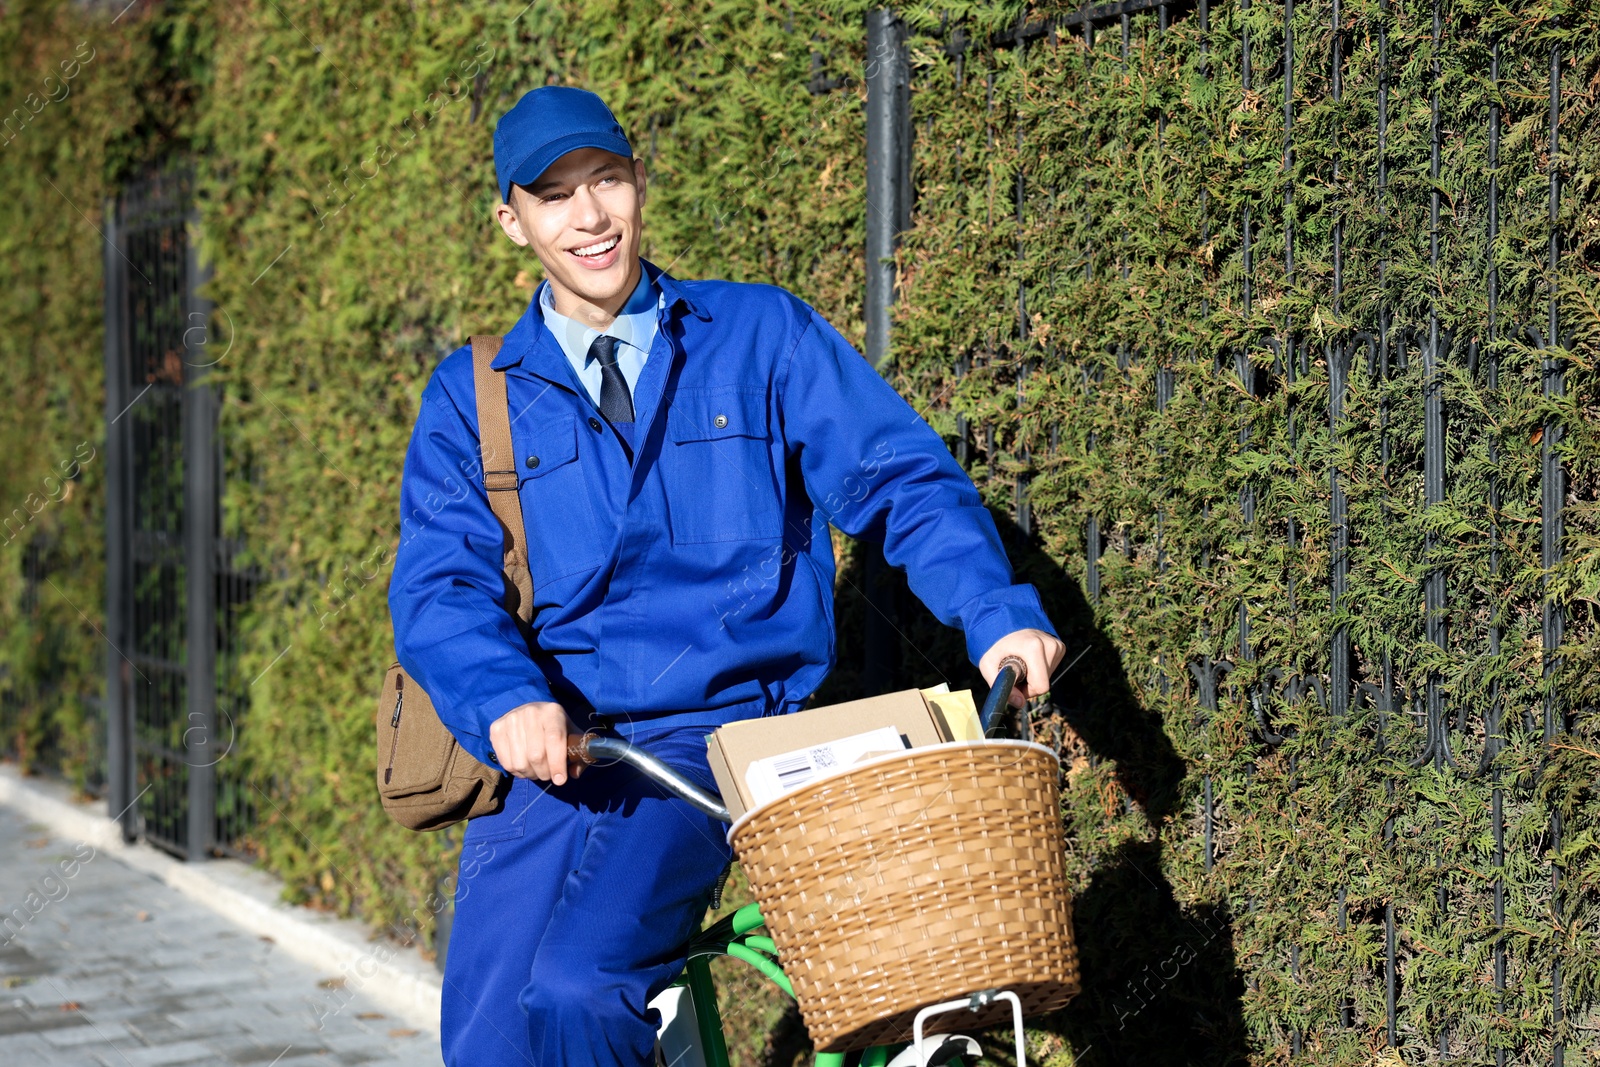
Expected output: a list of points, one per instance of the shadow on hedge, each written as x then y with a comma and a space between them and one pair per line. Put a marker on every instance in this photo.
1161, 984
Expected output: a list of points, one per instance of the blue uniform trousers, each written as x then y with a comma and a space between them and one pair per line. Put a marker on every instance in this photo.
571, 906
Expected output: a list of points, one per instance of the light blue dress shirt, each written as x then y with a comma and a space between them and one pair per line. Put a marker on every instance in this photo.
635, 326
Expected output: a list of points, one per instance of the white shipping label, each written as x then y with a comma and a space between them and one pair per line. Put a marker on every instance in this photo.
774, 776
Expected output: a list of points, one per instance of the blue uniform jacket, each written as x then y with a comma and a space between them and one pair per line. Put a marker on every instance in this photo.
697, 579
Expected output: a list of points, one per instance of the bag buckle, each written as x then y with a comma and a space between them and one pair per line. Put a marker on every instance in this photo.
498, 481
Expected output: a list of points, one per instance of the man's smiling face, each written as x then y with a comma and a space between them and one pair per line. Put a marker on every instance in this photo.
583, 218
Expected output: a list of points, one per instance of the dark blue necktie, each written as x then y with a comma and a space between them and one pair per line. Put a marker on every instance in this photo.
616, 404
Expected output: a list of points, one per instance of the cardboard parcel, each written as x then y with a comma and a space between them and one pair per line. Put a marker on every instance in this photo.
758, 760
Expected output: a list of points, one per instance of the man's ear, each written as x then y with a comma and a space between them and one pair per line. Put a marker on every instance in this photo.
639, 179
506, 216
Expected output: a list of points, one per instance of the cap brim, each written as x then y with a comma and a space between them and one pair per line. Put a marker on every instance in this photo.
540, 160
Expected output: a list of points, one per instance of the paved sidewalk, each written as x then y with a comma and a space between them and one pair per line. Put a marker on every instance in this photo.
107, 966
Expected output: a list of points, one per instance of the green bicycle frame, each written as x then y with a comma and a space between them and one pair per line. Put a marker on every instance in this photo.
759, 952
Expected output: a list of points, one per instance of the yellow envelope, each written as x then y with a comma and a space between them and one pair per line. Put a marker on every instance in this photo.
959, 712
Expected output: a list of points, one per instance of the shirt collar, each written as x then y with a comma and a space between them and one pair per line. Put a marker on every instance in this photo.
528, 336
628, 325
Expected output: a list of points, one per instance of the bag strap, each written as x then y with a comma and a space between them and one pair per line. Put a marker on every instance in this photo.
500, 473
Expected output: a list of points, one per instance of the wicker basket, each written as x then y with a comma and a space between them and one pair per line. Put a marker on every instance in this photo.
912, 879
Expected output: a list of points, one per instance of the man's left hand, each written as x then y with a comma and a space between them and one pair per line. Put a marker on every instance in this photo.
1035, 648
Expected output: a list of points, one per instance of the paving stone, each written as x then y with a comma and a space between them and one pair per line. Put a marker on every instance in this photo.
143, 1001
52, 992
247, 1054
154, 1028
207, 980
20, 1044
179, 986
157, 1055
228, 1018
84, 1034
31, 1020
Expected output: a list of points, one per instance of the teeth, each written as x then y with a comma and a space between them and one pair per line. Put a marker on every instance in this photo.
597, 250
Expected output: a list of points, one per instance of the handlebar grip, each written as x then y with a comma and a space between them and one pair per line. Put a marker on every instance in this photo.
1012, 671
578, 749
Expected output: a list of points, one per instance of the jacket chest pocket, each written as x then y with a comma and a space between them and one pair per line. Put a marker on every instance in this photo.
718, 468
563, 537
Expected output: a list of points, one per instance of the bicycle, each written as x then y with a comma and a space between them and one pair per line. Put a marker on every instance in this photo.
701, 1042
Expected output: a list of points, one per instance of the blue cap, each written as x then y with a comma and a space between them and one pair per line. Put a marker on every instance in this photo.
546, 124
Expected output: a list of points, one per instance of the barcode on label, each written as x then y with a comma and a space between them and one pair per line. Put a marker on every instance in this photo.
796, 770
769, 777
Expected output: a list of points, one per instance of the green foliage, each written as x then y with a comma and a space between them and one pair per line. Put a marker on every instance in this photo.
1138, 171
62, 108
345, 190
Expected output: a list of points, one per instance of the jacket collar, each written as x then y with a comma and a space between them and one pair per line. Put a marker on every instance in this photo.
528, 343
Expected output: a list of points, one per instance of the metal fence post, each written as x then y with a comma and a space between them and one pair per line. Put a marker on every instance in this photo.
888, 77
1494, 723
200, 549
118, 717
1553, 491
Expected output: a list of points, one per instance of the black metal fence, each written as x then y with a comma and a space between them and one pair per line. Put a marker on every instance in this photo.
174, 695
1422, 354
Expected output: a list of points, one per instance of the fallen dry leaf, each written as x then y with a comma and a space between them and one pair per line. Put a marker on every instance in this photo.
369, 1015
71, 1005
37, 842
143, 916
402, 1032
331, 983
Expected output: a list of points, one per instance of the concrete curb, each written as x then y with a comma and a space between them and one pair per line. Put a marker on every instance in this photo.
396, 978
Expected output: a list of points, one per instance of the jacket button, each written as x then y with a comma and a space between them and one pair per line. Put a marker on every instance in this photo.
533, 462
720, 421
594, 424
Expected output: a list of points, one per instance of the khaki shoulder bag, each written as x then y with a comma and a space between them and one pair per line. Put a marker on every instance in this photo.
426, 780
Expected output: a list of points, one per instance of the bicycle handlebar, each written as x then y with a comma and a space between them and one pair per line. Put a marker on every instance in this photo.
590, 749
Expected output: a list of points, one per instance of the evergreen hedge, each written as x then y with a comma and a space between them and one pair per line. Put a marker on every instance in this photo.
73, 93
1170, 389
1119, 373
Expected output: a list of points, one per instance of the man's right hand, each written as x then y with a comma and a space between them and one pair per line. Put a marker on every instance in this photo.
531, 742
